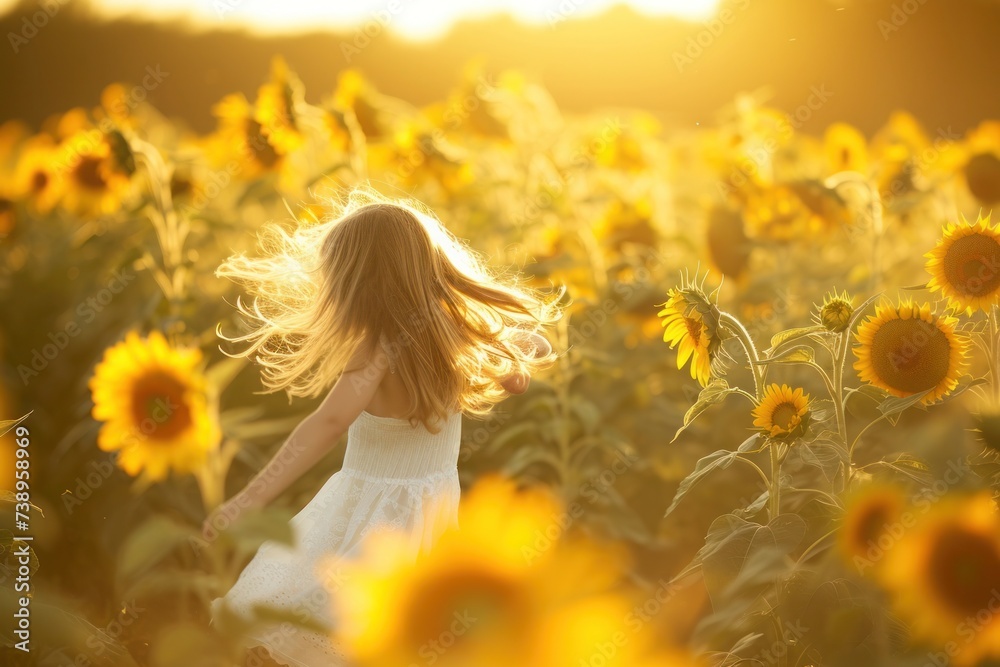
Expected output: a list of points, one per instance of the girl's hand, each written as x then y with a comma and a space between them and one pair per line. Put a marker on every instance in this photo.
227, 514
537, 345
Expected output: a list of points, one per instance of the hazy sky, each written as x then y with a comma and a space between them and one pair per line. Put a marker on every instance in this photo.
414, 19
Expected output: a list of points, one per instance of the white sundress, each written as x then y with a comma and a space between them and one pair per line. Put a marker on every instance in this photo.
394, 476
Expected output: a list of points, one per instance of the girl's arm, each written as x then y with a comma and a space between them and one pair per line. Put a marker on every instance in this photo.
312, 439
517, 383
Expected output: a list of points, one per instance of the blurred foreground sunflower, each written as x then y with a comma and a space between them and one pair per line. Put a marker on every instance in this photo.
152, 401
905, 349
507, 588
690, 324
944, 576
865, 534
783, 412
965, 265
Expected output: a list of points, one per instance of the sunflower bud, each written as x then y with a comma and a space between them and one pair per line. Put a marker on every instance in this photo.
836, 311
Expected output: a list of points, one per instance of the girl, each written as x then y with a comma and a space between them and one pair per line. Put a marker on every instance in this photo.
412, 330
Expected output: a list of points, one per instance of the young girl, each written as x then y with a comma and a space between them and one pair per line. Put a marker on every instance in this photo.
412, 330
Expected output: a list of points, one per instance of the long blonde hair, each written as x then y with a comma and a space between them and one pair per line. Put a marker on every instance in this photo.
389, 270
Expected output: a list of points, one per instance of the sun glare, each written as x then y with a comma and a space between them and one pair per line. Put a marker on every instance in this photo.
413, 19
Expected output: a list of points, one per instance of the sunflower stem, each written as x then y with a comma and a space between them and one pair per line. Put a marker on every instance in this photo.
838, 385
994, 349
774, 493
736, 327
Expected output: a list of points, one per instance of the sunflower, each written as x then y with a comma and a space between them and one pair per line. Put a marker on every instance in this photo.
506, 588
982, 167
728, 246
354, 93
242, 136
845, 148
416, 157
836, 311
783, 412
898, 149
689, 319
906, 350
944, 576
277, 108
625, 223
625, 150
965, 265
96, 182
38, 177
8, 217
153, 402
780, 214
865, 534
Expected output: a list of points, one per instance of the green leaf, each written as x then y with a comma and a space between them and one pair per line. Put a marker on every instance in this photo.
894, 405
7, 424
752, 445
715, 461
149, 544
741, 558
714, 393
800, 354
11, 497
587, 412
783, 337
906, 465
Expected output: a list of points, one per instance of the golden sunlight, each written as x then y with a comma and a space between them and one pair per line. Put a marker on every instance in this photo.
413, 19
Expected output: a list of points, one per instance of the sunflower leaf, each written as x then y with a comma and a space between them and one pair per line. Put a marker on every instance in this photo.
783, 337
894, 405
717, 460
7, 424
800, 354
149, 545
714, 393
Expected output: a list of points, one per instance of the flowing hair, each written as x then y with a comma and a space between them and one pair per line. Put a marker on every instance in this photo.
386, 270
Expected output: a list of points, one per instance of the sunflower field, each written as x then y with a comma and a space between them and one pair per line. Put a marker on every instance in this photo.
771, 436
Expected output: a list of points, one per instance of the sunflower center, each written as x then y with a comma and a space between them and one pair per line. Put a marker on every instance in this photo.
972, 265
39, 180
159, 408
784, 415
88, 174
694, 327
461, 604
261, 148
982, 173
964, 569
911, 355
872, 523
845, 156
728, 243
